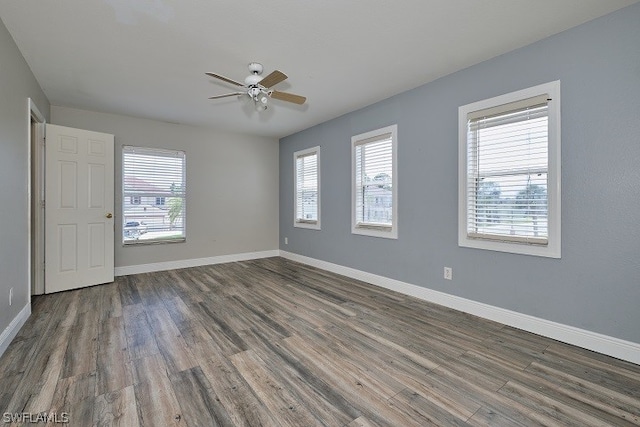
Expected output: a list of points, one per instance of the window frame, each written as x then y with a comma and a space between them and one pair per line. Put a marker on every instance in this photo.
371, 229
160, 151
301, 223
553, 247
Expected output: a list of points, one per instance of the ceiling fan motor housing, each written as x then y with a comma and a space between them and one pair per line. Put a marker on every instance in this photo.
252, 80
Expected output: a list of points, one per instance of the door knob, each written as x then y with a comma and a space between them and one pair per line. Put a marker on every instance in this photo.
109, 215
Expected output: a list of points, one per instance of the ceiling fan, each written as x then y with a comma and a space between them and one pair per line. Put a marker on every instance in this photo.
258, 88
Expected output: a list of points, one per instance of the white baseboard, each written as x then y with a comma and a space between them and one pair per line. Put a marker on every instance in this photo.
621, 349
196, 262
12, 330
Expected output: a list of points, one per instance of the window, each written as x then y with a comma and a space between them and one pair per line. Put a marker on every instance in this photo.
375, 183
509, 172
156, 179
307, 188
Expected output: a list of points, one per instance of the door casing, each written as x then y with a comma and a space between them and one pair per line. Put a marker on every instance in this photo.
35, 186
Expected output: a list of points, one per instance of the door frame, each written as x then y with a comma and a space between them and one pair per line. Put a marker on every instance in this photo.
35, 196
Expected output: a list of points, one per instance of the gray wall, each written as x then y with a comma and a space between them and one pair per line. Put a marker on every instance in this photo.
17, 84
232, 185
596, 284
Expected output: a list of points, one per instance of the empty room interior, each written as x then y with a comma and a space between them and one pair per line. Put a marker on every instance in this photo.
290, 213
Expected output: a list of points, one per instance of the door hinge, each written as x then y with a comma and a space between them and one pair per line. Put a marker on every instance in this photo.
42, 204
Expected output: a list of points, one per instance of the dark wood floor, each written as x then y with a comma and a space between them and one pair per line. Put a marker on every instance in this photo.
275, 343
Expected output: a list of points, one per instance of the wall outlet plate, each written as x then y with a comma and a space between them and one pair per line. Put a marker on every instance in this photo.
448, 273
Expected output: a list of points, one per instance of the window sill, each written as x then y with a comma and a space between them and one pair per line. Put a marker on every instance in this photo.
375, 230
312, 225
548, 251
135, 242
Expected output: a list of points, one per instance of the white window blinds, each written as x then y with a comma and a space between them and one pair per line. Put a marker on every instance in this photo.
507, 172
153, 195
307, 191
374, 182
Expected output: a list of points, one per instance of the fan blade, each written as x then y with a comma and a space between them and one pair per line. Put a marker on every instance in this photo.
289, 97
224, 79
273, 79
227, 94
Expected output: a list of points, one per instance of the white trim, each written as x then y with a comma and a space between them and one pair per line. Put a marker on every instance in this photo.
553, 248
196, 262
621, 349
390, 232
12, 330
35, 234
302, 224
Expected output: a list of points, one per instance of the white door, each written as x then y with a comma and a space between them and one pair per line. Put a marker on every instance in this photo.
79, 232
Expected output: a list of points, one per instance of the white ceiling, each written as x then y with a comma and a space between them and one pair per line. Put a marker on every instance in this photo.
147, 58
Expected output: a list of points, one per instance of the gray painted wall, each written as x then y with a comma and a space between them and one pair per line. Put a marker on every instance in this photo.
596, 284
17, 84
232, 185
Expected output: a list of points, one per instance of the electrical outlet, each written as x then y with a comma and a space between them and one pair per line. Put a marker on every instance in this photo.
10, 296
286, 240
448, 273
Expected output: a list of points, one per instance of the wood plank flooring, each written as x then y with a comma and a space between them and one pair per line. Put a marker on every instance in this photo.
275, 343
